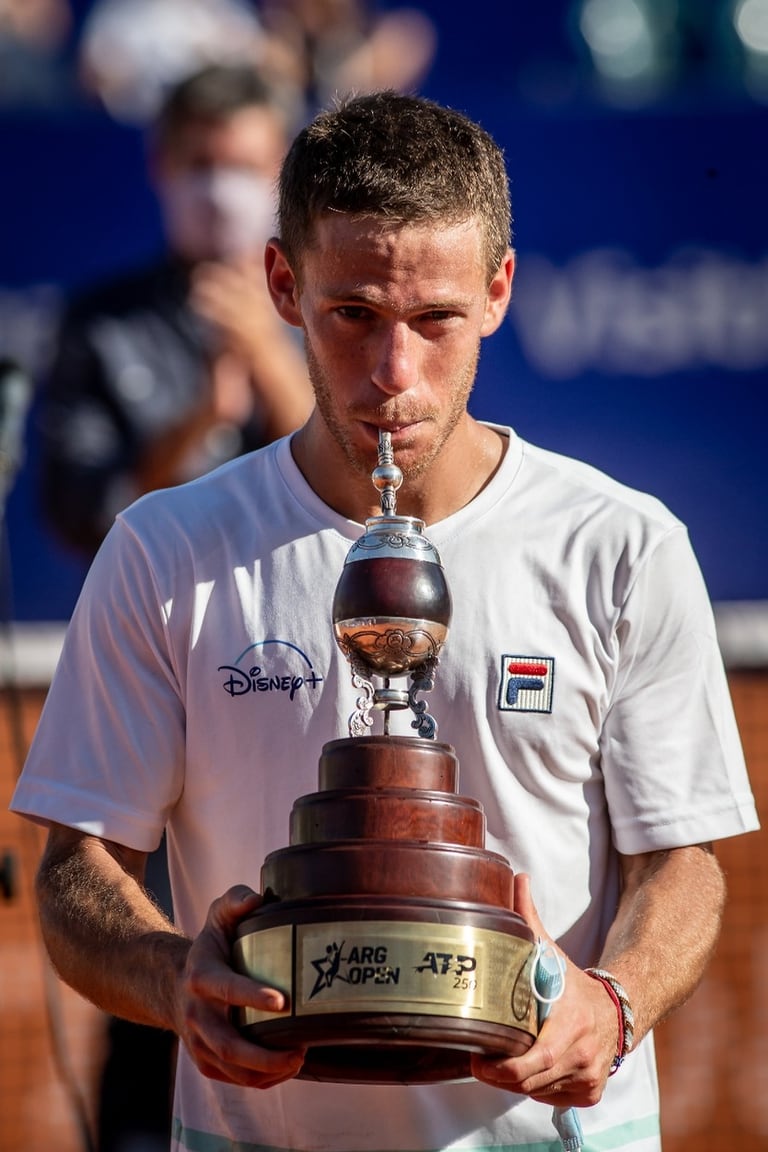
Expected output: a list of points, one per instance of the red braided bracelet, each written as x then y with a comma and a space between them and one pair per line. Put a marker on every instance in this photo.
623, 1014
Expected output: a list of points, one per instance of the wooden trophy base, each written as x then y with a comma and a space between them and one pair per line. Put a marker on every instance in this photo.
387, 924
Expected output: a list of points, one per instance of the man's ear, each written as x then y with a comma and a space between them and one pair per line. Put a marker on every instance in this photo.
282, 284
499, 294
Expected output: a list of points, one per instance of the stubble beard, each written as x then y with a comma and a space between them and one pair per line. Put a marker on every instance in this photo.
443, 419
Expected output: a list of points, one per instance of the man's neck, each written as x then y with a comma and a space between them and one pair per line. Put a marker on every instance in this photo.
465, 466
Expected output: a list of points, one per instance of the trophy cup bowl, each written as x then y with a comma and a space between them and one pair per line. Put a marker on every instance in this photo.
392, 607
386, 922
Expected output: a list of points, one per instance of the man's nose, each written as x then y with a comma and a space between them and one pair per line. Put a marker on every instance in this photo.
396, 365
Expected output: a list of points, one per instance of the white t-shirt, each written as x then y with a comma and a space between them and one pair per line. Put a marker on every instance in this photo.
581, 686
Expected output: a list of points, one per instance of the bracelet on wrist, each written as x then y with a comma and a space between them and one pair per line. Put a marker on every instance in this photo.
625, 1016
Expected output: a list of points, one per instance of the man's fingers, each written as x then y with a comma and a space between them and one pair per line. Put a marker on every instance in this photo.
210, 974
236, 903
216, 981
524, 905
226, 912
222, 1053
250, 993
232, 990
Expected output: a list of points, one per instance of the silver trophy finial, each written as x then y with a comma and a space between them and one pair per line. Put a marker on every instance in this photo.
386, 476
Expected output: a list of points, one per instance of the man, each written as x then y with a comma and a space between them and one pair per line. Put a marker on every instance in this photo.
167, 372
394, 260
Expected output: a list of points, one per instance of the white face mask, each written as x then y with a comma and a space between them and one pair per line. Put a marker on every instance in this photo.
218, 213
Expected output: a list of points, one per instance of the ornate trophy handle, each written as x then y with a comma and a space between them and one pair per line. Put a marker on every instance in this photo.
423, 680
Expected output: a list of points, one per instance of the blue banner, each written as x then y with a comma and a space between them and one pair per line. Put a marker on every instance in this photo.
638, 334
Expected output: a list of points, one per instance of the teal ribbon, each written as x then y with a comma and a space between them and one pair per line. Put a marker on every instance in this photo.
548, 985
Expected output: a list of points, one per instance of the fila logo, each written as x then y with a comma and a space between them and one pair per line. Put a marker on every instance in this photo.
526, 683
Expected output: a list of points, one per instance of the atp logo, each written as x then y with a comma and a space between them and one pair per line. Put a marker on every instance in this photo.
526, 683
270, 666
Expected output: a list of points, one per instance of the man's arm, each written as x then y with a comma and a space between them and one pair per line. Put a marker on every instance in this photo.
110, 942
665, 930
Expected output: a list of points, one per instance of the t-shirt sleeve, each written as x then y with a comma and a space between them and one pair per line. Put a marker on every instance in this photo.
108, 753
672, 759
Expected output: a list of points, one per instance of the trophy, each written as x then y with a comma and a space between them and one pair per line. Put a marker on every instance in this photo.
386, 923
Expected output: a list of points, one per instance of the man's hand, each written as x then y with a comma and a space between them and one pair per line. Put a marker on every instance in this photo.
209, 989
114, 945
658, 946
569, 1062
233, 298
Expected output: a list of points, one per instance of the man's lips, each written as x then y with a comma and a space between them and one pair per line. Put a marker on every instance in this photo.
398, 430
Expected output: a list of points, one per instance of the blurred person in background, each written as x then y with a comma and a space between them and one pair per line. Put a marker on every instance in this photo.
132, 51
158, 377
337, 46
34, 71
166, 372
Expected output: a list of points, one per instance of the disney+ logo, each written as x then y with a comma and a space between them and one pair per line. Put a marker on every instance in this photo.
288, 670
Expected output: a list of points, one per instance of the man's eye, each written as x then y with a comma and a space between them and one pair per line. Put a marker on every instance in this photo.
354, 312
437, 316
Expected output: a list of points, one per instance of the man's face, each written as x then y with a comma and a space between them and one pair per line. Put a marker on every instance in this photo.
216, 182
393, 317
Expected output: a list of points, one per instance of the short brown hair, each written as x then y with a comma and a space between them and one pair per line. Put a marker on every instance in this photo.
401, 158
213, 93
